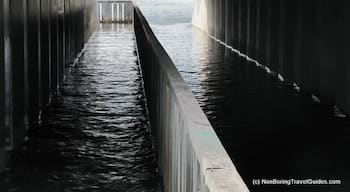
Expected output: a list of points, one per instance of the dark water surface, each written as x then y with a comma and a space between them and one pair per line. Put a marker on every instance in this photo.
269, 128
94, 136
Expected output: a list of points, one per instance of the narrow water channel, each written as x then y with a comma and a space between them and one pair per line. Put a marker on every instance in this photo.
270, 129
95, 135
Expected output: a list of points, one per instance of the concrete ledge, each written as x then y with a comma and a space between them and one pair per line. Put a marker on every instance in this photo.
191, 156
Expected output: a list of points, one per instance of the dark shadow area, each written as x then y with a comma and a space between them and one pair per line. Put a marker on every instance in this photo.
95, 134
269, 128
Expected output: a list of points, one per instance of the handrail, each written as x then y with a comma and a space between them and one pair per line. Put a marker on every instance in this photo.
115, 11
191, 155
118, 1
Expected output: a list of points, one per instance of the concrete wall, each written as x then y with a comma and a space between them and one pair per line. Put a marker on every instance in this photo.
191, 157
304, 41
37, 39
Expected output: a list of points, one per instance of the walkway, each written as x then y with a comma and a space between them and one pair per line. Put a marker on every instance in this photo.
94, 136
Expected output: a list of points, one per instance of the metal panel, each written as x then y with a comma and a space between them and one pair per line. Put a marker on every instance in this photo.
8, 78
34, 57
2, 88
343, 57
236, 23
67, 33
60, 41
290, 39
273, 36
6, 131
45, 50
252, 34
54, 45
32, 52
18, 59
228, 24
281, 38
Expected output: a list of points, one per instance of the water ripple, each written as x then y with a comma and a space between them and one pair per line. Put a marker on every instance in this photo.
95, 135
269, 128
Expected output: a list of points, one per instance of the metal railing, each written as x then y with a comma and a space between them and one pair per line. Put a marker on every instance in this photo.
115, 11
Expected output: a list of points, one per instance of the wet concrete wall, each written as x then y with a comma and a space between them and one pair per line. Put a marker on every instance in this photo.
304, 41
191, 156
38, 38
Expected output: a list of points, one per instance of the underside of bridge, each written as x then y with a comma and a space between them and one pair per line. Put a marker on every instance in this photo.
302, 42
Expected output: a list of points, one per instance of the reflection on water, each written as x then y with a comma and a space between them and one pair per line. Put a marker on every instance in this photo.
270, 129
95, 135
166, 12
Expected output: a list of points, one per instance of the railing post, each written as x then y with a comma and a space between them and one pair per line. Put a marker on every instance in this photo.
100, 13
112, 7
123, 12
118, 12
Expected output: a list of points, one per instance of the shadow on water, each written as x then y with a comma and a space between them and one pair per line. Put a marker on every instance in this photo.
95, 135
270, 129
